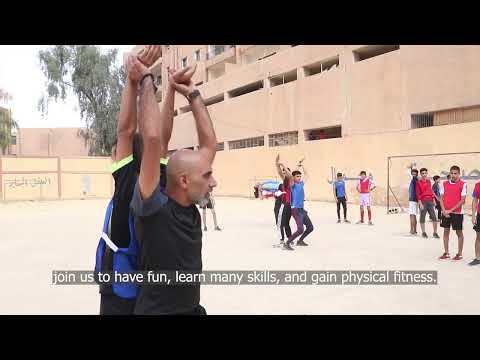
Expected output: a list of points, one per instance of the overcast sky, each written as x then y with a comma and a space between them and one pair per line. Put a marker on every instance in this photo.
21, 76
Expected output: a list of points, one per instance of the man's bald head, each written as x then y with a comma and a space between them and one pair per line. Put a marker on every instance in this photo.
182, 162
190, 173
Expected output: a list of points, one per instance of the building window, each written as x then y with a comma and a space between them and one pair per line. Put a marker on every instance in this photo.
246, 143
370, 51
259, 52
246, 89
281, 139
422, 120
197, 55
214, 100
220, 146
214, 50
184, 63
283, 78
13, 140
322, 66
446, 117
323, 133
185, 109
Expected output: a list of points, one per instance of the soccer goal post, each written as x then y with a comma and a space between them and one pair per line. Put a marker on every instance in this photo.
399, 169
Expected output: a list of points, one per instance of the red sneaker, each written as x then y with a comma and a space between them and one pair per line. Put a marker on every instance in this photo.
445, 256
458, 257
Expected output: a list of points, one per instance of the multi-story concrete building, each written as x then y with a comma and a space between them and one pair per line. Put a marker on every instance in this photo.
344, 107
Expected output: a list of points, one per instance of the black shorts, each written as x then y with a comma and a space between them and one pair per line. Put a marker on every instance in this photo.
477, 227
111, 304
455, 221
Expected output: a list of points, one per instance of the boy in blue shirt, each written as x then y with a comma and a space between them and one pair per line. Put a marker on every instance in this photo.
340, 196
298, 211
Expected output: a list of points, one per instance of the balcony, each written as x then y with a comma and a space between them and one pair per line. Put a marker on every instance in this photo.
215, 50
217, 57
255, 53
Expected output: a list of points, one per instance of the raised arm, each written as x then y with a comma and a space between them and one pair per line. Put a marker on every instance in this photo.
167, 111
166, 119
127, 118
288, 174
148, 117
300, 162
207, 139
305, 173
279, 167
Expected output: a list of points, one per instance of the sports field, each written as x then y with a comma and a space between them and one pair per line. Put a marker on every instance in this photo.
39, 237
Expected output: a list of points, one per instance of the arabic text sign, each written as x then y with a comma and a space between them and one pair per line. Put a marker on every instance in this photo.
27, 181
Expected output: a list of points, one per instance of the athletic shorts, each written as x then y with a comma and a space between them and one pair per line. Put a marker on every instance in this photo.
412, 208
427, 207
365, 199
455, 221
477, 227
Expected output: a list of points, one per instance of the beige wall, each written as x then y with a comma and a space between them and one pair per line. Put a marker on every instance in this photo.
50, 142
13, 164
440, 77
376, 95
79, 186
32, 178
236, 169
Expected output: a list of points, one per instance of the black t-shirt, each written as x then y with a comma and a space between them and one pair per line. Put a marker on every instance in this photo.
170, 238
125, 177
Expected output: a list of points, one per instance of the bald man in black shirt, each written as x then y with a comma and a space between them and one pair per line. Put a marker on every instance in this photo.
168, 223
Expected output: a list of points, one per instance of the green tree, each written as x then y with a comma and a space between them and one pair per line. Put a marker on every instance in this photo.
7, 123
97, 82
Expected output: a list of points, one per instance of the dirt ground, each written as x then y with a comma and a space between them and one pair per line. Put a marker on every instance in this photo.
39, 237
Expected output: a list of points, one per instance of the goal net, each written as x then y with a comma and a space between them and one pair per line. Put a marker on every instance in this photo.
399, 168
